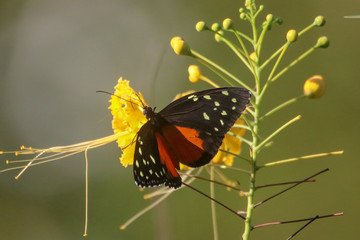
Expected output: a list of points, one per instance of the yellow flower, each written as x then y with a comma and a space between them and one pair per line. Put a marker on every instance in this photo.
127, 110
230, 144
126, 107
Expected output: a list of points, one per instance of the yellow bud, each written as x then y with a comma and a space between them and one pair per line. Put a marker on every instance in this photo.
315, 87
291, 35
269, 17
180, 47
323, 42
194, 73
242, 15
215, 27
201, 26
253, 56
319, 21
228, 24
219, 36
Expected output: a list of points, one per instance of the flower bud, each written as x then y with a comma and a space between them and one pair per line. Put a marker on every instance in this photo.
219, 36
201, 26
315, 87
291, 35
180, 47
319, 21
228, 24
253, 56
323, 42
279, 20
269, 17
194, 73
215, 27
243, 16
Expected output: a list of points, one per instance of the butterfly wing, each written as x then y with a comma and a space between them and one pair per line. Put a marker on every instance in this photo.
149, 169
202, 118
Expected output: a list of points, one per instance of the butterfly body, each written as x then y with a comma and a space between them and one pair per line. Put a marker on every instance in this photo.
190, 130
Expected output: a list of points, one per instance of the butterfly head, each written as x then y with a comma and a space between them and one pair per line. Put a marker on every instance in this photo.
150, 114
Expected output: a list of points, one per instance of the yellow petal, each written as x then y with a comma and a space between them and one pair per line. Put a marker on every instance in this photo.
127, 110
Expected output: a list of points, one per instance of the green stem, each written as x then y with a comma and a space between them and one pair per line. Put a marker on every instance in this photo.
252, 187
237, 51
282, 106
262, 35
273, 56
217, 69
277, 131
240, 34
242, 126
293, 63
306, 29
255, 130
274, 69
241, 138
302, 158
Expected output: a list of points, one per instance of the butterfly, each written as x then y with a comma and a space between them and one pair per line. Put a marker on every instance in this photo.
189, 130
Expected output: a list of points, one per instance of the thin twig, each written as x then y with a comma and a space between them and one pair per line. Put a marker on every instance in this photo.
287, 189
212, 199
307, 224
212, 181
284, 183
297, 220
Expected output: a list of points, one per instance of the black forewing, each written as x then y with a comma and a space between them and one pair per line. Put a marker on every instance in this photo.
211, 112
148, 169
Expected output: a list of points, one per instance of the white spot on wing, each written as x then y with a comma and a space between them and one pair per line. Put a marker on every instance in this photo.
152, 159
207, 97
206, 117
226, 93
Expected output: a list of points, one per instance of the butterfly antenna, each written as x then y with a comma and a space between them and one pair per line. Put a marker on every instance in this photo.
100, 91
138, 96
131, 143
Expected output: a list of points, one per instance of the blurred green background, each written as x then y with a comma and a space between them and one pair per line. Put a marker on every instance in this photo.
54, 55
